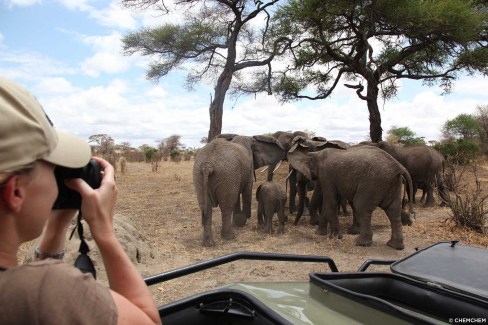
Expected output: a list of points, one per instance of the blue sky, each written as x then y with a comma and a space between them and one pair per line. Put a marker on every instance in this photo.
68, 53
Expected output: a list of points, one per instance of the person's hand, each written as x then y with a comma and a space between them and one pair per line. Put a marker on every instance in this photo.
98, 205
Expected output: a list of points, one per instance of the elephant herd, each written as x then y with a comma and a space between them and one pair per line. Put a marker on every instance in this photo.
366, 176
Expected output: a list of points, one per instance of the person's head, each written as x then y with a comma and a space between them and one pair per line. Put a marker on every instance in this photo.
30, 148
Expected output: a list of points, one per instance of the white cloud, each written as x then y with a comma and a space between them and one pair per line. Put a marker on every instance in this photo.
81, 5
56, 85
107, 57
114, 16
21, 3
23, 65
157, 91
103, 62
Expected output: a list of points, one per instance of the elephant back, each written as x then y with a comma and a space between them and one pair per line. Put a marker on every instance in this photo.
221, 163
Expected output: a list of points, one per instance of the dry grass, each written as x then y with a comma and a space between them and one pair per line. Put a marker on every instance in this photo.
163, 206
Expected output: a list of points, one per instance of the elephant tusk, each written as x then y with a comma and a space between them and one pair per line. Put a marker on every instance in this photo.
276, 168
264, 169
288, 176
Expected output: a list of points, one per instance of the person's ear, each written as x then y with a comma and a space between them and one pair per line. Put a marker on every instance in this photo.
13, 193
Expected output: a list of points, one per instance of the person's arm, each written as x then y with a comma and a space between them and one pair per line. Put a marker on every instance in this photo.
132, 297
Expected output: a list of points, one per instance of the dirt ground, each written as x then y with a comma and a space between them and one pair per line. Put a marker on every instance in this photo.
163, 207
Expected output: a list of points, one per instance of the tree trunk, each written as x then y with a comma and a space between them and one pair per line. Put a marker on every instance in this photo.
216, 109
375, 130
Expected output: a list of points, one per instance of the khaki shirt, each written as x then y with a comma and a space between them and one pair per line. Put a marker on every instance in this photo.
53, 292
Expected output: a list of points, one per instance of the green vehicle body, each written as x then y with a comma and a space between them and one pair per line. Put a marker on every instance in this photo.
445, 283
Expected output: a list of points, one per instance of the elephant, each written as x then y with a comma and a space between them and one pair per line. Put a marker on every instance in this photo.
285, 138
223, 172
304, 184
425, 166
366, 176
271, 198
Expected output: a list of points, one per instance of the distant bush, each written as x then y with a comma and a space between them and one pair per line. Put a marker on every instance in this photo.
150, 153
460, 151
175, 155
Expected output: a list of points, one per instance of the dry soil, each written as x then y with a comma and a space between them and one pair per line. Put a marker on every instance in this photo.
162, 205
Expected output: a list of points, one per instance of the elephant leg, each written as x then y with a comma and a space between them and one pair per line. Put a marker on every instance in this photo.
237, 206
268, 216
302, 195
424, 194
247, 200
315, 206
429, 202
393, 211
414, 191
332, 218
363, 213
329, 215
239, 217
442, 189
227, 232
260, 213
293, 190
355, 228
281, 218
208, 240
343, 206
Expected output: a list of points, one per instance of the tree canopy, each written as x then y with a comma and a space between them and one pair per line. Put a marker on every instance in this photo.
217, 37
405, 136
463, 126
370, 45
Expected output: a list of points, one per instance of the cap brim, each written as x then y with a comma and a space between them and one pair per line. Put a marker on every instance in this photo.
71, 151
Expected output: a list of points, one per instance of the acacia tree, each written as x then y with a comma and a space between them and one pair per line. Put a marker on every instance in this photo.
216, 37
374, 43
405, 136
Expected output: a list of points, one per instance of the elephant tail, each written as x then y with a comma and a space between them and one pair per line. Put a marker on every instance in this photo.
207, 170
408, 180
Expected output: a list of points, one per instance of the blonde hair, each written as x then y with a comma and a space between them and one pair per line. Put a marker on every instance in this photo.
5, 175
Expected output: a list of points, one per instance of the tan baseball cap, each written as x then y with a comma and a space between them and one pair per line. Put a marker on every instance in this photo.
27, 134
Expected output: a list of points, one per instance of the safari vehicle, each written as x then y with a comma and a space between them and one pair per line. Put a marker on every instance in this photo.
443, 283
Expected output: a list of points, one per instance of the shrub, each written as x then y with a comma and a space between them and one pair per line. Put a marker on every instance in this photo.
150, 153
468, 207
175, 155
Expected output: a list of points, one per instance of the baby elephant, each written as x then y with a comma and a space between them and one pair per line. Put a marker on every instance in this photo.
271, 198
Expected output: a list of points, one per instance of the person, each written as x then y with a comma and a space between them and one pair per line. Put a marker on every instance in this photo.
47, 290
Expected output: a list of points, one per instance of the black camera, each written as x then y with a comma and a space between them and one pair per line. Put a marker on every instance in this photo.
68, 198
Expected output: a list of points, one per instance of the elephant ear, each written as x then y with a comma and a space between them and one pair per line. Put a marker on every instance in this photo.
319, 138
333, 144
329, 144
299, 139
257, 192
266, 151
227, 136
299, 159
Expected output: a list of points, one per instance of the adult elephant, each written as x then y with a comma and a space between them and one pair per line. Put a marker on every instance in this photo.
425, 166
366, 176
223, 172
303, 183
285, 138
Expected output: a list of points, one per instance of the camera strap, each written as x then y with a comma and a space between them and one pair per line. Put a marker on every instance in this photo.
83, 262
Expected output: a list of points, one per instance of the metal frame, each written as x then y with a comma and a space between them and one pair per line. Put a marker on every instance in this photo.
197, 267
